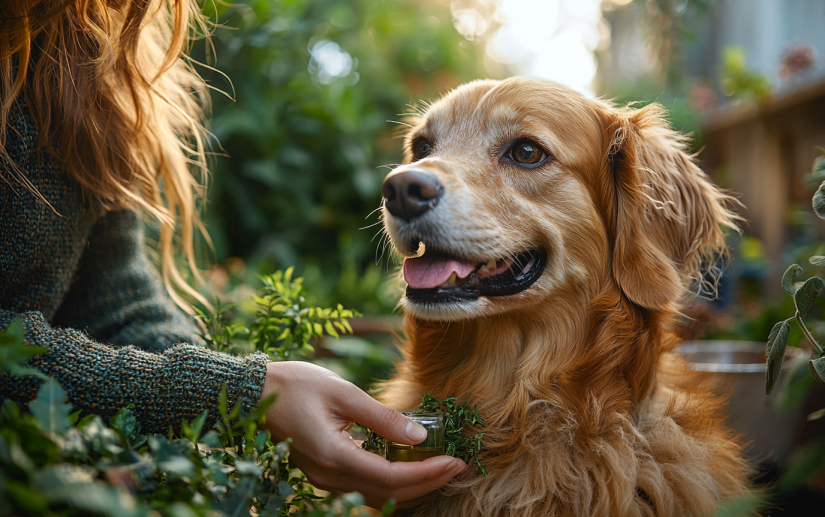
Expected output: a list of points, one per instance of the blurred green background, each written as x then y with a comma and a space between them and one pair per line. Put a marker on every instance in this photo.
306, 131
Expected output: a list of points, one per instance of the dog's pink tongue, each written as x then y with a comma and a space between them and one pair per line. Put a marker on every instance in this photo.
428, 272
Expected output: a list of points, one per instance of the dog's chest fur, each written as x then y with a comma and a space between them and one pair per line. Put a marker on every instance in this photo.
569, 444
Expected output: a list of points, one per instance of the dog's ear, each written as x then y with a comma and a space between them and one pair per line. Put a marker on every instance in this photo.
667, 216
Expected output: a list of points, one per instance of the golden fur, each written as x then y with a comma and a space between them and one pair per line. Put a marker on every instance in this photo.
587, 413
114, 100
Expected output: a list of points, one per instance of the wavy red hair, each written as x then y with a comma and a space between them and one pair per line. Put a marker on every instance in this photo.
115, 100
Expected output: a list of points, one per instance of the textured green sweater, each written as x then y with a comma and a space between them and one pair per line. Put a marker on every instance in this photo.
85, 289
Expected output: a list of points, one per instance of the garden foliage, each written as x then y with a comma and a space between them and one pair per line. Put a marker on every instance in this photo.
56, 462
804, 293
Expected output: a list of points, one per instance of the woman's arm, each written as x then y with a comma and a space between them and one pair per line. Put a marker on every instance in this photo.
166, 388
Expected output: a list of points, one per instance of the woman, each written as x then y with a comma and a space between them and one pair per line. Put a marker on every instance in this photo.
100, 124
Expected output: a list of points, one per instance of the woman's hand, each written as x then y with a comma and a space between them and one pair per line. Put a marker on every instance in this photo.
314, 406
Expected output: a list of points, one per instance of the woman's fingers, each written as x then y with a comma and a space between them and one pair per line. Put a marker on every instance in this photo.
313, 407
379, 480
355, 405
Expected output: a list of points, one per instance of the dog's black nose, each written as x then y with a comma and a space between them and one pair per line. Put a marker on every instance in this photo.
410, 193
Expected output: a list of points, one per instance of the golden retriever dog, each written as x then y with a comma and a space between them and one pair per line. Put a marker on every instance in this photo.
549, 241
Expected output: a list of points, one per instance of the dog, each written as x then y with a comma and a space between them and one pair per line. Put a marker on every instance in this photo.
549, 242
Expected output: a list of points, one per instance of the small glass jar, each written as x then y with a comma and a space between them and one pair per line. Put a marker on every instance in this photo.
433, 445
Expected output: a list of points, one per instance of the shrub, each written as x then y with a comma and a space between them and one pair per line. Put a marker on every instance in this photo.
53, 463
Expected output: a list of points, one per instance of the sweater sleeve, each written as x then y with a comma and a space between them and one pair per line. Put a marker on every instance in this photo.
167, 387
116, 295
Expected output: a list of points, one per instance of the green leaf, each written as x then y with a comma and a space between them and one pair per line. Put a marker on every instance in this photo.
819, 201
805, 461
330, 329
248, 467
806, 294
50, 407
817, 260
76, 487
180, 510
178, 466
816, 415
193, 431
74, 417
86, 420
817, 368
210, 439
28, 500
772, 336
14, 351
284, 489
789, 278
124, 421
777, 341
388, 507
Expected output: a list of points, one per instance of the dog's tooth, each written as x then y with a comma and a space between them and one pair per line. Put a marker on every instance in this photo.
452, 279
483, 270
491, 264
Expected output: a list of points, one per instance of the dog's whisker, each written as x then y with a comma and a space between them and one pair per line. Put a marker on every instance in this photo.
379, 232
399, 122
383, 248
370, 226
380, 206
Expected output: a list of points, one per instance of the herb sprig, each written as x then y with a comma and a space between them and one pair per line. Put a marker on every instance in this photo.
457, 419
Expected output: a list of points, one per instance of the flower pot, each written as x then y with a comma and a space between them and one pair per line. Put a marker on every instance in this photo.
736, 369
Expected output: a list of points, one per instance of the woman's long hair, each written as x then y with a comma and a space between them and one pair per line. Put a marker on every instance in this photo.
116, 101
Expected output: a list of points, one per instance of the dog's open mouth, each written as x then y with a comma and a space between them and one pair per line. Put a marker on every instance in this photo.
439, 277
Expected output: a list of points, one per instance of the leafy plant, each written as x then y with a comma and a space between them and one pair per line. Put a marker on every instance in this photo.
804, 293
374, 442
458, 418
284, 323
738, 81
217, 331
52, 463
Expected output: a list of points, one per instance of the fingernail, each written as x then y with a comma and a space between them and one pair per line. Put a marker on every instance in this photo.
456, 467
416, 432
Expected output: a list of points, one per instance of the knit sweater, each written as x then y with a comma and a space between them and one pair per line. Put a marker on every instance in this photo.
80, 280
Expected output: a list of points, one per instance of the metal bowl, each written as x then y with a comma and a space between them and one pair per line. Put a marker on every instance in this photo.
736, 370
730, 356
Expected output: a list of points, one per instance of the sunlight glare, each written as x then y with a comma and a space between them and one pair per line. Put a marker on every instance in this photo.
550, 39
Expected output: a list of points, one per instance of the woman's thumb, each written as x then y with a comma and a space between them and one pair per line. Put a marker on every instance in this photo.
384, 420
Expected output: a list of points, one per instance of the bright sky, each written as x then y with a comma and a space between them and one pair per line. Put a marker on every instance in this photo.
551, 39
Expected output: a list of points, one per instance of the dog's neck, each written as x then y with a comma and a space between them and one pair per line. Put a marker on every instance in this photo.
571, 355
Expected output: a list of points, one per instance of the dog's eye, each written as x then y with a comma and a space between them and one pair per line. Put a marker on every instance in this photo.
421, 149
527, 151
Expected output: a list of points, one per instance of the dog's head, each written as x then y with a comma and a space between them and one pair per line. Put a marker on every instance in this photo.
518, 191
